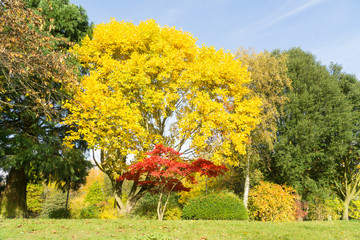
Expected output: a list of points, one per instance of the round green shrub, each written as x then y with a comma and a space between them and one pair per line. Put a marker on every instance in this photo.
216, 206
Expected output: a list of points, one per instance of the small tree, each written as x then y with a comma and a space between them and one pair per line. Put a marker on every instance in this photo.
162, 173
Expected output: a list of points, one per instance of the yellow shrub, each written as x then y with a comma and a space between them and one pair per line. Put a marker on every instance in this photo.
272, 202
354, 209
173, 213
109, 212
75, 206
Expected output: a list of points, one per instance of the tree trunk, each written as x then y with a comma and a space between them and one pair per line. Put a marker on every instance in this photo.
345, 216
159, 208
130, 204
119, 204
13, 202
247, 183
67, 197
125, 209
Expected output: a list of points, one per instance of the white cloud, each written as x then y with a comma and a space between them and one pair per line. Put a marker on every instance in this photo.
283, 12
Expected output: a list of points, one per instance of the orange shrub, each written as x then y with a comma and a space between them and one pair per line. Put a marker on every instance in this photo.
272, 202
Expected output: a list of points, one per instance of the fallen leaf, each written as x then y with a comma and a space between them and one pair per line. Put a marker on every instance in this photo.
53, 231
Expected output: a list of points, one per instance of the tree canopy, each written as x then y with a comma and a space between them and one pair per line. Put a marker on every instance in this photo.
148, 85
314, 129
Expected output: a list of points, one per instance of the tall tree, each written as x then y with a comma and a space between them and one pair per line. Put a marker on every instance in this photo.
268, 82
34, 81
153, 85
314, 129
348, 166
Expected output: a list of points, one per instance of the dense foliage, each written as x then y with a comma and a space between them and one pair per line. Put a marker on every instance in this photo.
54, 205
272, 202
62, 18
216, 206
315, 128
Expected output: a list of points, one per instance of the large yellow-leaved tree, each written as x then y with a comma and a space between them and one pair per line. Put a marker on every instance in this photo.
146, 84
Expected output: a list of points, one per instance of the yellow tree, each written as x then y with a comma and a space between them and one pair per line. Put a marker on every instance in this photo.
269, 82
145, 85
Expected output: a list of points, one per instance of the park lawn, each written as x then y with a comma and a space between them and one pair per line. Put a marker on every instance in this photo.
177, 229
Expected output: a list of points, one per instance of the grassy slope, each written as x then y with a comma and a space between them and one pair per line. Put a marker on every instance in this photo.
152, 229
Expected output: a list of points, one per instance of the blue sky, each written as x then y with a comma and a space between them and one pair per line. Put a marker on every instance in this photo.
330, 29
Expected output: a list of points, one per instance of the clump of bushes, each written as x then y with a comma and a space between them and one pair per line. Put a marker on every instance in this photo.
35, 198
91, 211
215, 206
273, 202
322, 210
54, 205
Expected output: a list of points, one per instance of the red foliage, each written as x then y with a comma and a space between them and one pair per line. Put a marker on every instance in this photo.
163, 170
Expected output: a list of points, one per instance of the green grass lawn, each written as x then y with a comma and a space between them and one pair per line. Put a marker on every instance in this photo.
152, 229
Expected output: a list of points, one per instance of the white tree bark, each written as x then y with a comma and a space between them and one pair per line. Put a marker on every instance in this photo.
247, 182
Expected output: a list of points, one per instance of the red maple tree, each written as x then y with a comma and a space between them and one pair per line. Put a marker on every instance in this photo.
163, 171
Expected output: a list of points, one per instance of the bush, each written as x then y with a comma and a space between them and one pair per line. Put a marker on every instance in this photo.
34, 198
321, 210
216, 206
90, 212
109, 212
273, 202
95, 194
173, 213
354, 209
54, 205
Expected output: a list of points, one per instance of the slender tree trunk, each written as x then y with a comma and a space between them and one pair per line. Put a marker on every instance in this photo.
67, 197
345, 216
162, 207
247, 182
159, 208
206, 185
13, 202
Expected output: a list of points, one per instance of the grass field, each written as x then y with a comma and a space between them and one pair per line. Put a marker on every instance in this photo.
152, 229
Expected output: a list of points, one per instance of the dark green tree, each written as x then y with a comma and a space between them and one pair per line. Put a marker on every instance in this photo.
62, 18
314, 130
34, 79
